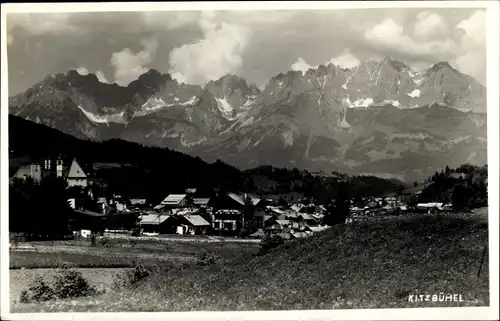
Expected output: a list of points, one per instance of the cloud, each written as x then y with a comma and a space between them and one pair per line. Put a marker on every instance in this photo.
41, 23
474, 27
102, 78
301, 65
217, 54
82, 71
169, 20
345, 60
388, 35
429, 25
472, 58
129, 66
100, 75
463, 46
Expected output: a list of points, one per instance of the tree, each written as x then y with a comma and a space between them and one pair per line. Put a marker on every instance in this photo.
339, 211
248, 216
282, 202
189, 202
40, 210
459, 197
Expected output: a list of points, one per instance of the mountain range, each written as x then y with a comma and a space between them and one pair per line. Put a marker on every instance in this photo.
380, 118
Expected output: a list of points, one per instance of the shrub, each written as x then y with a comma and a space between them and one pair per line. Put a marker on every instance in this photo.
70, 284
139, 273
270, 241
136, 232
37, 291
104, 241
209, 258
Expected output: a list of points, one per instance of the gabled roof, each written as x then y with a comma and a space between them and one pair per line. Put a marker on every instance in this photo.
241, 198
296, 207
318, 228
232, 212
89, 213
259, 233
153, 219
79, 170
196, 220
173, 199
184, 211
201, 201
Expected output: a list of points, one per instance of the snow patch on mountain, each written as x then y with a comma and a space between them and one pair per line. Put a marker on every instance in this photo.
413, 136
106, 119
360, 102
153, 103
287, 138
192, 101
395, 103
224, 105
185, 143
415, 93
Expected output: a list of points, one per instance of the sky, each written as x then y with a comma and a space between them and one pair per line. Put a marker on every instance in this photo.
198, 46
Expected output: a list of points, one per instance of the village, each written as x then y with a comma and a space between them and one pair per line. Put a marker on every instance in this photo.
191, 212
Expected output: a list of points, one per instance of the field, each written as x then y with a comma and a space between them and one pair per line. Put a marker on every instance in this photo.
119, 252
361, 265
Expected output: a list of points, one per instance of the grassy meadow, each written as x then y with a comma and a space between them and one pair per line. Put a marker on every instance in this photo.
363, 265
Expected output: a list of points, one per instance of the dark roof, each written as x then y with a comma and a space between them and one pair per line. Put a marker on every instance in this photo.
16, 163
89, 213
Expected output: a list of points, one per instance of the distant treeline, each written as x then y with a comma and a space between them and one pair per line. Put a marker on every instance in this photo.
465, 187
155, 172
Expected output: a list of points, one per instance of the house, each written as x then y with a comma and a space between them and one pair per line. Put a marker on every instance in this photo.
316, 229
153, 223
303, 220
226, 221
201, 202
430, 206
258, 234
297, 234
191, 191
187, 224
228, 211
173, 201
36, 169
137, 201
84, 219
123, 220
77, 176
241, 198
275, 224
296, 207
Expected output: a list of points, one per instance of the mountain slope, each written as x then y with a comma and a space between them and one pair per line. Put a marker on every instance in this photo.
376, 117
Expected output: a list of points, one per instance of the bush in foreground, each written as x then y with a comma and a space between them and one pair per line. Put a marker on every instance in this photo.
209, 258
270, 241
70, 284
129, 278
37, 291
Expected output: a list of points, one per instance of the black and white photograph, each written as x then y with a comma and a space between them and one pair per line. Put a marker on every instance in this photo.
250, 157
